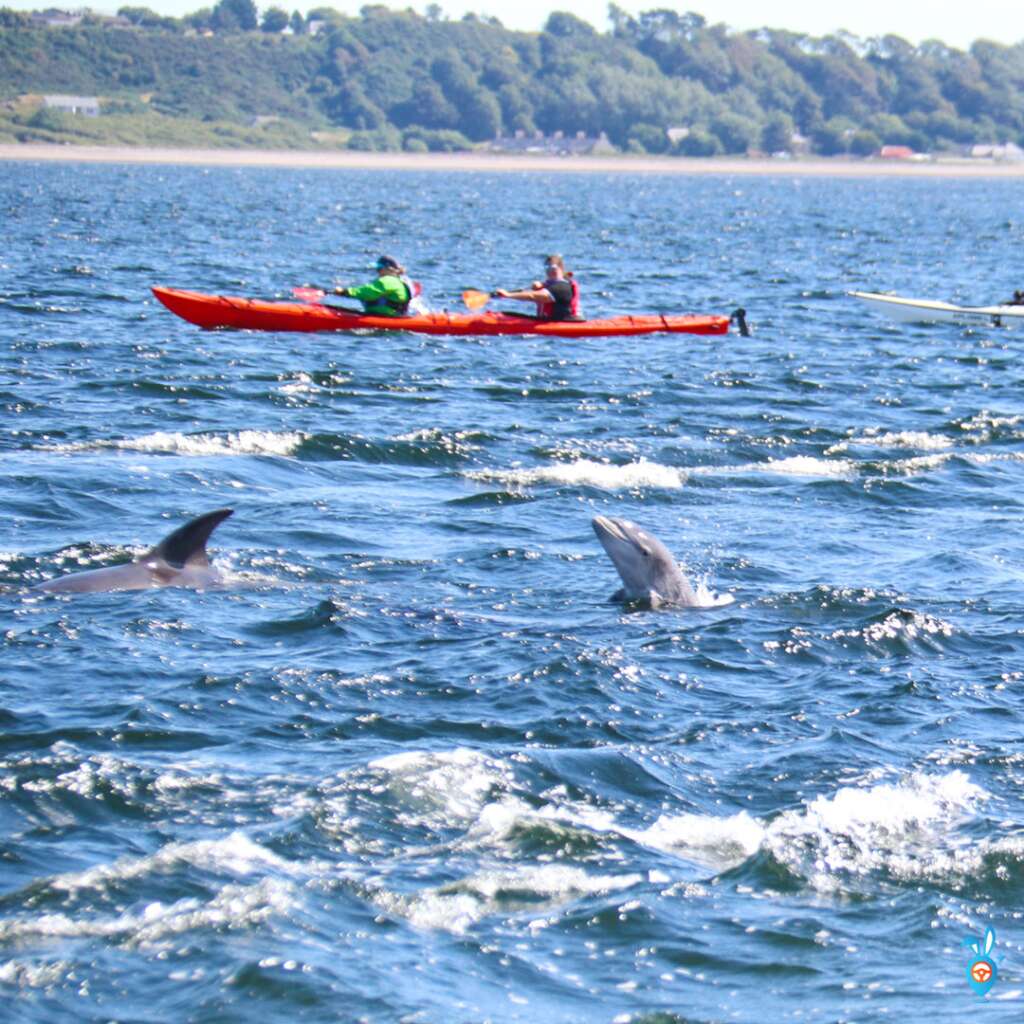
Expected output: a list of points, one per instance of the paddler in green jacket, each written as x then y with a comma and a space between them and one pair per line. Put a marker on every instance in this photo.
389, 295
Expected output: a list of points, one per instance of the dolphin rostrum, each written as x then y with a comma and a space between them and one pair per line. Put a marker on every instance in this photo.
648, 570
179, 560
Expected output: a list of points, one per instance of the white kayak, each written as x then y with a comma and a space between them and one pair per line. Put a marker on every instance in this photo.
917, 311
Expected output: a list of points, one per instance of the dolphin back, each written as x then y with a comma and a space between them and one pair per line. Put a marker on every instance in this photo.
187, 544
178, 560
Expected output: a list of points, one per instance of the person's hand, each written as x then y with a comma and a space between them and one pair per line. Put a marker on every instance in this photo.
500, 293
340, 291
537, 285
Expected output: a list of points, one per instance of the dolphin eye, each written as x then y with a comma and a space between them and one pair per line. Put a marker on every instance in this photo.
645, 553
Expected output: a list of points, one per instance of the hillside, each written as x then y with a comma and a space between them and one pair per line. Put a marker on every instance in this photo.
388, 80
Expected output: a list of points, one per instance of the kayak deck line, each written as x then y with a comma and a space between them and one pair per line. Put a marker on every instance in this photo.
226, 311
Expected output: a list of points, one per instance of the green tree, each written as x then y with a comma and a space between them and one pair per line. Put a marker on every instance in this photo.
777, 134
864, 143
700, 142
144, 17
737, 134
428, 106
649, 137
379, 139
275, 19
200, 20
832, 137
235, 15
568, 26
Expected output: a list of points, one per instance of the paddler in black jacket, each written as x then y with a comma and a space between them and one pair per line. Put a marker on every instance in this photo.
557, 296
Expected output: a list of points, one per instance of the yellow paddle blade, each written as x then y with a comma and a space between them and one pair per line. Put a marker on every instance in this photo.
475, 300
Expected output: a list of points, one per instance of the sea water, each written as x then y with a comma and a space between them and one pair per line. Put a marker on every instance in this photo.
411, 764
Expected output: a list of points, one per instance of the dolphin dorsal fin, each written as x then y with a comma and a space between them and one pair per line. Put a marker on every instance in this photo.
187, 544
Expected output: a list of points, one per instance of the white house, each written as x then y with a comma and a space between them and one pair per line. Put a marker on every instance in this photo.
89, 106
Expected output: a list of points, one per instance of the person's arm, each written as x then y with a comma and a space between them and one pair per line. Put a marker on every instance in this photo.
364, 292
526, 294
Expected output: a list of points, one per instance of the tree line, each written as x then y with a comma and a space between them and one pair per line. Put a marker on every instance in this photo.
392, 79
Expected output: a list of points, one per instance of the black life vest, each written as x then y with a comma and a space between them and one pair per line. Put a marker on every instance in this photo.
565, 300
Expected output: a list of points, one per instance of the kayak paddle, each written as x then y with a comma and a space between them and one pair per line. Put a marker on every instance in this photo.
475, 300
306, 294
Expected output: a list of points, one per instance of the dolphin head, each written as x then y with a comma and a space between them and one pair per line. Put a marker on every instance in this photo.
648, 571
179, 560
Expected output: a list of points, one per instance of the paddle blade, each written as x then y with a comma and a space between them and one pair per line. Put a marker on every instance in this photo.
475, 300
308, 294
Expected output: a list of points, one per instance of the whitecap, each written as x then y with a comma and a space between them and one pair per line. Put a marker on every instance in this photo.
442, 786
587, 473
457, 906
233, 906
235, 853
917, 439
240, 442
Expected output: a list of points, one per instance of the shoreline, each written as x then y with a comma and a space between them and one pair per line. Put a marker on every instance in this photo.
496, 162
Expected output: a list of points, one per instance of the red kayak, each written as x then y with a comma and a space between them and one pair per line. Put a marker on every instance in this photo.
212, 311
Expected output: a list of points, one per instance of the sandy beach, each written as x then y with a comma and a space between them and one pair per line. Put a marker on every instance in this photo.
451, 162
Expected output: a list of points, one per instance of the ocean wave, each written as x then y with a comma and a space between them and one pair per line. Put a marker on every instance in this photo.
905, 831
241, 442
902, 624
442, 787
231, 907
873, 438
807, 465
457, 906
236, 854
587, 473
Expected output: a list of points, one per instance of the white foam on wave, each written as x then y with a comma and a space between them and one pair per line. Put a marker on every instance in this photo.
705, 597
239, 442
919, 463
443, 786
808, 465
34, 975
985, 422
456, 439
719, 842
899, 625
234, 906
917, 439
456, 906
794, 465
89, 778
587, 473
906, 829
236, 854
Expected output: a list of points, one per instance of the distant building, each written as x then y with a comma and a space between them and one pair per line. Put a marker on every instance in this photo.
557, 144
676, 135
799, 144
1009, 152
88, 106
896, 153
56, 18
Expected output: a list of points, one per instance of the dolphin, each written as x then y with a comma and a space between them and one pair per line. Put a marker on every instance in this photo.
179, 560
648, 570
